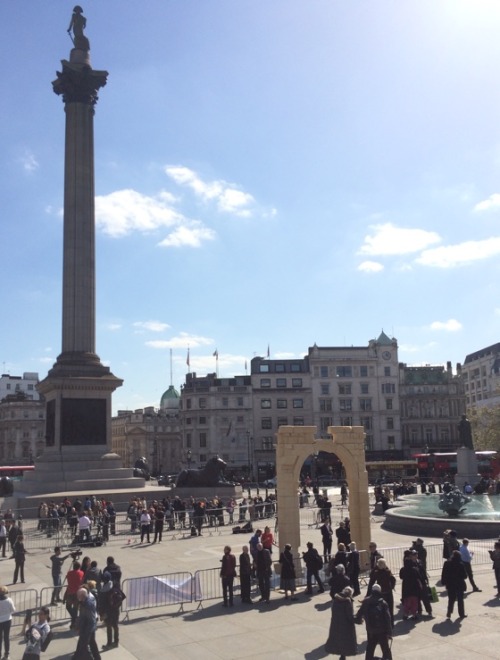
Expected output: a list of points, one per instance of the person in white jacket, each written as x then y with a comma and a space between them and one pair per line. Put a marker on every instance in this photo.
6, 610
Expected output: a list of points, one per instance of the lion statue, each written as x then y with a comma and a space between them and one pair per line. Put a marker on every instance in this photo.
210, 475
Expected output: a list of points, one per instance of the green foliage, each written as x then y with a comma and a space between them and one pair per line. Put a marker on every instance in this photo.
485, 423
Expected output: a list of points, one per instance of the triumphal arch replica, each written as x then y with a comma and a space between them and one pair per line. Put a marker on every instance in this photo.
294, 445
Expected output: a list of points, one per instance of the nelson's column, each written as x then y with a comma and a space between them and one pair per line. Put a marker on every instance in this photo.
78, 388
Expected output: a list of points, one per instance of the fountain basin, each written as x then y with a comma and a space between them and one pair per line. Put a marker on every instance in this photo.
419, 515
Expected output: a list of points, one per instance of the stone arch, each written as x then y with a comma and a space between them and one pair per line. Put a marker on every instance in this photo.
294, 445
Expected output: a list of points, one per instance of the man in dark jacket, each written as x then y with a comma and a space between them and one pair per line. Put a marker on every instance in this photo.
313, 564
263, 564
453, 577
375, 612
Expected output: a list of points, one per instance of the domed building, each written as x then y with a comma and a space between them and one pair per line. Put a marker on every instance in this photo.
170, 401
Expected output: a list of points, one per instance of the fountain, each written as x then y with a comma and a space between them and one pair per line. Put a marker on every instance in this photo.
477, 516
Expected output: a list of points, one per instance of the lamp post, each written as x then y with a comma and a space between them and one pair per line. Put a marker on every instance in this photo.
189, 458
249, 452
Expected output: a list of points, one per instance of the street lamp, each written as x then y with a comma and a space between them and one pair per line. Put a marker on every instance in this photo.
189, 457
250, 466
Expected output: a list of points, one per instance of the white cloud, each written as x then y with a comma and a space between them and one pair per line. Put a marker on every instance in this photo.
47, 360
113, 327
126, 211
228, 197
370, 267
192, 235
183, 340
29, 162
451, 325
153, 326
461, 254
387, 239
493, 202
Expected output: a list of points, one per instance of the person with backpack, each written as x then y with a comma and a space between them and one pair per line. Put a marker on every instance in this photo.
314, 564
110, 601
375, 613
38, 636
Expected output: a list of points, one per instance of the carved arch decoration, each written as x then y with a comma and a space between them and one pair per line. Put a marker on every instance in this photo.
294, 445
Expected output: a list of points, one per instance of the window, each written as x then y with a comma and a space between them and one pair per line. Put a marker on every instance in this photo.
368, 442
188, 403
188, 440
298, 421
325, 405
240, 401
264, 368
345, 404
346, 421
344, 372
279, 368
298, 403
387, 371
266, 423
265, 382
390, 423
325, 389
365, 404
265, 403
323, 372
267, 443
345, 389
444, 435
388, 388
225, 402
203, 439
203, 458
367, 422
363, 371
296, 382
365, 388
203, 420
388, 404
414, 435
428, 435
30, 387
202, 403
240, 419
282, 421
295, 368
188, 420
324, 423
391, 442
281, 403
280, 382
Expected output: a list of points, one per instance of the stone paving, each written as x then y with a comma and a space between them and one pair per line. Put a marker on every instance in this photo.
281, 629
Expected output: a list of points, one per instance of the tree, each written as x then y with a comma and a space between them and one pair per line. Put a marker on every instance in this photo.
485, 421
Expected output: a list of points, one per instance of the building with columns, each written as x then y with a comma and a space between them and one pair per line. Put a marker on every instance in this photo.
481, 377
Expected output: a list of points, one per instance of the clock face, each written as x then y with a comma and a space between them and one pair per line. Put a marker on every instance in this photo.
386, 355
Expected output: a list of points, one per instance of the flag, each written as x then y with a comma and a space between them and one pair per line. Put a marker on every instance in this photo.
216, 354
246, 365
187, 359
268, 352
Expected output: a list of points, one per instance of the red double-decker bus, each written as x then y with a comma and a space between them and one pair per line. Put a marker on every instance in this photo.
437, 464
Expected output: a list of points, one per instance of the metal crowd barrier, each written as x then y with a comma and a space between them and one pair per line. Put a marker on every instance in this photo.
158, 591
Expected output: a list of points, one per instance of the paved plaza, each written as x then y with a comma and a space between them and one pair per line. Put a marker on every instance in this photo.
281, 629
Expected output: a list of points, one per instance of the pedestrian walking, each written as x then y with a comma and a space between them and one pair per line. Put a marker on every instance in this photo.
467, 555
108, 604
314, 564
6, 611
453, 577
382, 575
87, 625
37, 635
19, 558
3, 537
145, 521
495, 558
342, 636
375, 613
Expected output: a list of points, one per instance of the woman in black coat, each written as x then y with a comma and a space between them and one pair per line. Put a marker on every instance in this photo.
453, 577
287, 580
342, 635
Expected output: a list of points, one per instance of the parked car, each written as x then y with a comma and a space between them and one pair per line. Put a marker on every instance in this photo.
271, 483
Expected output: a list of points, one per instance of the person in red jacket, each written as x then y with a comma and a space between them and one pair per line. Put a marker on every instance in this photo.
75, 581
228, 573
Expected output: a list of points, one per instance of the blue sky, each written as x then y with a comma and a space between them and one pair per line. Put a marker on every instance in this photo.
267, 173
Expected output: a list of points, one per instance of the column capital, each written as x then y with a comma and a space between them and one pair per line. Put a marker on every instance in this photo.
78, 83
